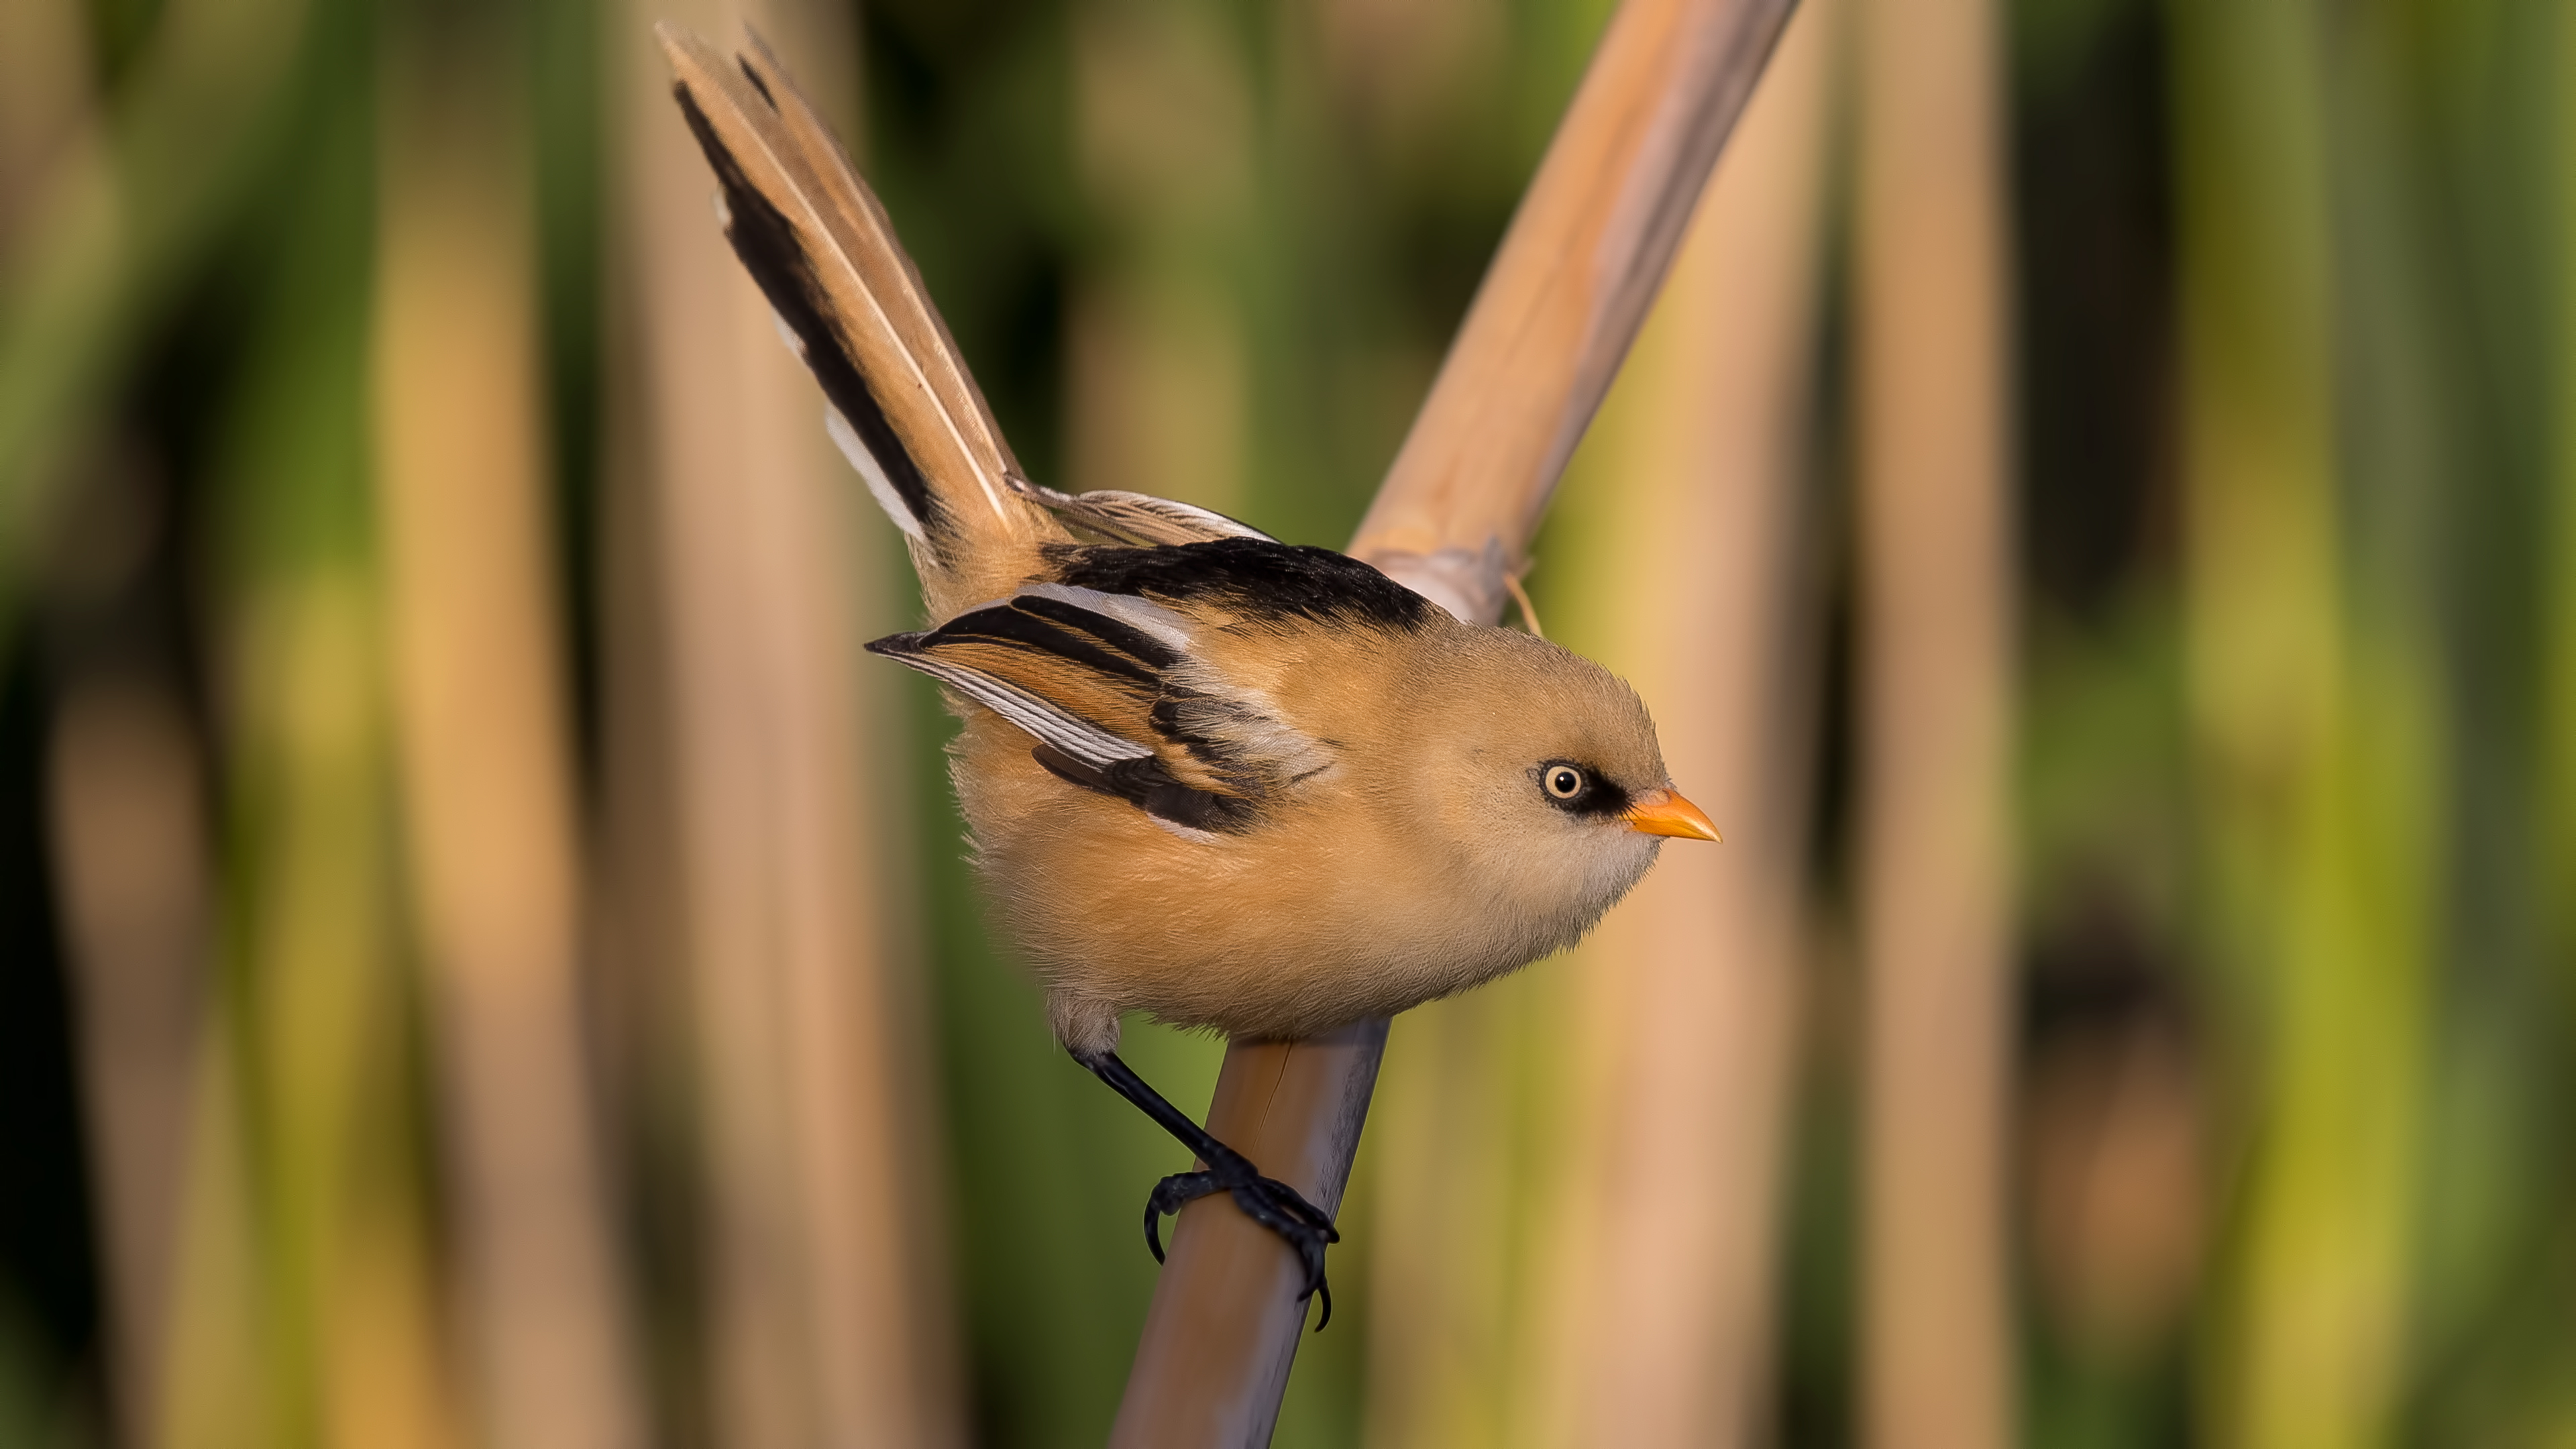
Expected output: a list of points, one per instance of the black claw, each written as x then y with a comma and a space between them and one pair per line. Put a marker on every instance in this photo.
1169, 1196
1267, 1201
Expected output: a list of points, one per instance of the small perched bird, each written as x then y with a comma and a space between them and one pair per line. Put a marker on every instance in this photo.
1225, 781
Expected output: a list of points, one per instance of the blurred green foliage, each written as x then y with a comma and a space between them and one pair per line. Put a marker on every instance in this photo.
2298, 401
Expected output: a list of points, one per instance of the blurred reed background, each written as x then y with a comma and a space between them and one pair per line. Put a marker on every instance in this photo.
484, 961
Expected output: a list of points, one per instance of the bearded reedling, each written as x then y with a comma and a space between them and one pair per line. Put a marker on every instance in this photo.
1225, 781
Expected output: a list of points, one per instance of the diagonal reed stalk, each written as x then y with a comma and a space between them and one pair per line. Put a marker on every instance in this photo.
1687, 571
1564, 297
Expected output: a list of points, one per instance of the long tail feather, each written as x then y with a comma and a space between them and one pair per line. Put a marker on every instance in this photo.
903, 406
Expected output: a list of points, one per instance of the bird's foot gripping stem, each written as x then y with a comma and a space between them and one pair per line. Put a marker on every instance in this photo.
1306, 1228
1266, 1200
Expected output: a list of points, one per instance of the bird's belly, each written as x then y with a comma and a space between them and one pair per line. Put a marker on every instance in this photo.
1254, 977
1255, 942
1301, 925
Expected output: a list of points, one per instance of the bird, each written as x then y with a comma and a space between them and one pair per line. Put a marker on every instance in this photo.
1227, 782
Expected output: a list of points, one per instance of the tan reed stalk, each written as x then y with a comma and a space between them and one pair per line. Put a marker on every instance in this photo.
1936, 638
130, 851
46, 106
125, 801
1686, 571
460, 460
1563, 299
342, 1322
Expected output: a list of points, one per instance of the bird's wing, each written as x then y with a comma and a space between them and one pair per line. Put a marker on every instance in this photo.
1145, 673
1098, 681
902, 405
1154, 674
1109, 515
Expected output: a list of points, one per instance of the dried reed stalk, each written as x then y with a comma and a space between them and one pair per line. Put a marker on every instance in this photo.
125, 802
129, 843
825, 1315
460, 467
1564, 297
1936, 570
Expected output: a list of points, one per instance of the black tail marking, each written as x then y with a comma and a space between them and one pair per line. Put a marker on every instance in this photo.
769, 250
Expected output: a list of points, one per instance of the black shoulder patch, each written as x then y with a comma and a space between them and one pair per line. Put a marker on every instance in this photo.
1257, 576
769, 250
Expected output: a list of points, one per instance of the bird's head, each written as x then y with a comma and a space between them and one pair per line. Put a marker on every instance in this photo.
1546, 779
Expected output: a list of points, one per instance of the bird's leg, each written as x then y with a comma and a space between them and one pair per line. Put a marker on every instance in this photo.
1266, 1200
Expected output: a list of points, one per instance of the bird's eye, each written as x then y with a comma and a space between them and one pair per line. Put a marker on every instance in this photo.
1564, 782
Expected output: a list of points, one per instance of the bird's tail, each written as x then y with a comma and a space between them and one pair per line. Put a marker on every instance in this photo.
902, 406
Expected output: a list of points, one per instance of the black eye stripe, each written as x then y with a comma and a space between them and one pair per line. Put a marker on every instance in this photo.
1590, 792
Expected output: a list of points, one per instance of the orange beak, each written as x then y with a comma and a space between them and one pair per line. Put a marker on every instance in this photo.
1665, 812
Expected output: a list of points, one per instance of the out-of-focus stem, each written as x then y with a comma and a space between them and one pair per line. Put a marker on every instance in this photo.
341, 1321
45, 104
130, 853
126, 202
124, 808
1936, 570
2308, 711
459, 469
826, 1319
1160, 376
1565, 295
2558, 720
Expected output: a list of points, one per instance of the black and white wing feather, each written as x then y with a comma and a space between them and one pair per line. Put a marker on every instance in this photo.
1098, 683
1115, 669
